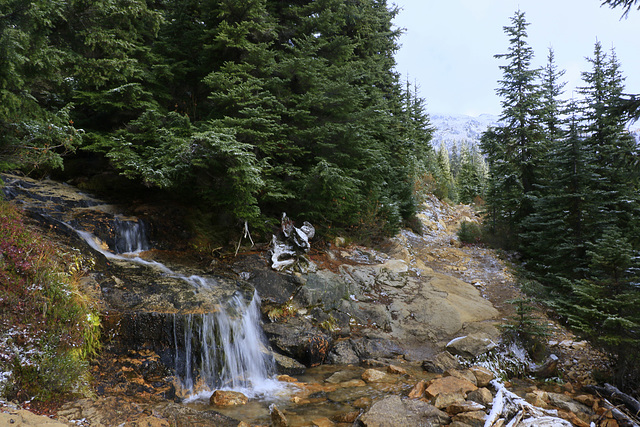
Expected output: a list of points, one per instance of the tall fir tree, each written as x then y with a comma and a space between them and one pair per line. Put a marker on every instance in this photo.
35, 124
614, 197
514, 148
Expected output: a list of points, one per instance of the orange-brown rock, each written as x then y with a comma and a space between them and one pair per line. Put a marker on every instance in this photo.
322, 422
418, 390
572, 418
346, 418
586, 399
444, 400
278, 419
396, 370
362, 403
462, 374
353, 383
483, 375
448, 385
228, 398
537, 398
286, 379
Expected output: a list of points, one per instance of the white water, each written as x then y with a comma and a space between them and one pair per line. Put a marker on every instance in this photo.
233, 354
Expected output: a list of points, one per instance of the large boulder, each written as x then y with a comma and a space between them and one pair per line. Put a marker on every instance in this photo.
300, 340
398, 412
471, 346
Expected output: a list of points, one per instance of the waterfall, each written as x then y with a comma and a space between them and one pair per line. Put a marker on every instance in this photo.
225, 350
130, 236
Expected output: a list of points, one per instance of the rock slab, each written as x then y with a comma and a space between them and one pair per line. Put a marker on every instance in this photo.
394, 411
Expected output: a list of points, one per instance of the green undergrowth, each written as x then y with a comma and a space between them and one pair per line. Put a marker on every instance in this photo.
48, 329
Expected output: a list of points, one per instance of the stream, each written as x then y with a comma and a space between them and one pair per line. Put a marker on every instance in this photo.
205, 328
176, 332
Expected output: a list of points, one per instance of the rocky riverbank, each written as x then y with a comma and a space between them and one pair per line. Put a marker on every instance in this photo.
360, 334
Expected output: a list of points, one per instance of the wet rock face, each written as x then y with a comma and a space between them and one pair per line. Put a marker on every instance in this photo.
300, 340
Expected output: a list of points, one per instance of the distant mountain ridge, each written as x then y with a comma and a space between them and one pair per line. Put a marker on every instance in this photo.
460, 129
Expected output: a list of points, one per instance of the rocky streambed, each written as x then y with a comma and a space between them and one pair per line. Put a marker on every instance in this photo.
390, 336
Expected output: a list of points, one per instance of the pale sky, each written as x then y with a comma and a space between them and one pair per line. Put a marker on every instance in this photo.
448, 46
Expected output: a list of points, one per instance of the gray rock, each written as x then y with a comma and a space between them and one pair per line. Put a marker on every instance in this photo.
396, 412
300, 340
482, 396
342, 376
441, 363
287, 365
562, 401
548, 369
472, 419
471, 346
343, 353
376, 348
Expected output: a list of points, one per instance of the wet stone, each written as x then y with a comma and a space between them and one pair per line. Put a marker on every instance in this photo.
228, 398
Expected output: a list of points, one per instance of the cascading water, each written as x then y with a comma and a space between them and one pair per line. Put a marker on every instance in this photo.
197, 325
225, 349
130, 236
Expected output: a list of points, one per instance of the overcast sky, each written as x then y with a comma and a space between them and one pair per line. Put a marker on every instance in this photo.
448, 46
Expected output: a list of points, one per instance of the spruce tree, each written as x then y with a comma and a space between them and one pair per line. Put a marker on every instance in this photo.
470, 181
614, 197
445, 184
605, 304
514, 148
35, 124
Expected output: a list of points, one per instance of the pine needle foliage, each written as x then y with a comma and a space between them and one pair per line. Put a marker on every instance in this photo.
252, 108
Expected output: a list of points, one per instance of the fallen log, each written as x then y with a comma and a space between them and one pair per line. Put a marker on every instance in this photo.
612, 392
630, 402
517, 412
623, 419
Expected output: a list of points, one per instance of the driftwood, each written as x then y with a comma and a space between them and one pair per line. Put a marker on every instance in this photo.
628, 416
622, 418
517, 412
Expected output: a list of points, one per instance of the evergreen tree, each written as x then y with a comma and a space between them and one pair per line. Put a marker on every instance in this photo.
470, 181
614, 196
605, 306
552, 109
108, 61
299, 99
445, 184
556, 234
514, 149
35, 125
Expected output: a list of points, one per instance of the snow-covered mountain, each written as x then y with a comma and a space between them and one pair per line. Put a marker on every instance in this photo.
459, 129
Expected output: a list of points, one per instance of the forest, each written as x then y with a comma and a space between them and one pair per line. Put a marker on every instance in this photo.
244, 110
563, 190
